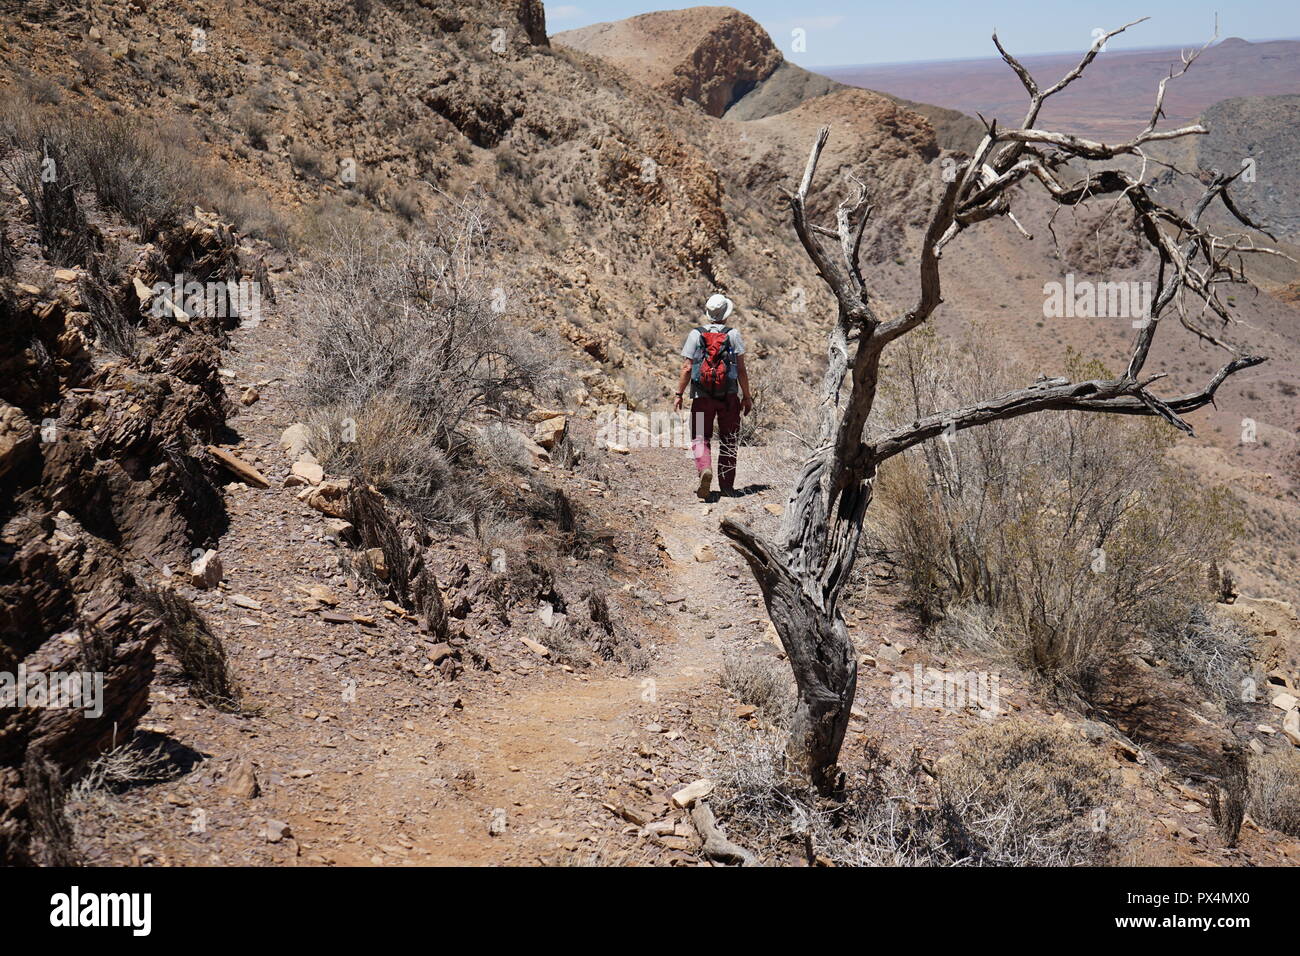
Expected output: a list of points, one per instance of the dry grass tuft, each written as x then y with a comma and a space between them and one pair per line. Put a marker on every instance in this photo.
1274, 791
201, 655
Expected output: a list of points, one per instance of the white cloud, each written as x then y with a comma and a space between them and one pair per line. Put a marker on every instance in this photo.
563, 13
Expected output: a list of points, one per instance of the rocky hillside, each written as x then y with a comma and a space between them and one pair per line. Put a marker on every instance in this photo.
1261, 131
627, 171
281, 119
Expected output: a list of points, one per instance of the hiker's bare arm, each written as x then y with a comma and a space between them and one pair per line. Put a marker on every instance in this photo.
746, 401
683, 380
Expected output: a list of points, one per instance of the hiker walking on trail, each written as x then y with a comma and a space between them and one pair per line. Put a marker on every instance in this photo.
715, 371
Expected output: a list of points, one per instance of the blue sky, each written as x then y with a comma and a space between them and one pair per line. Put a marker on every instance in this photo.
841, 32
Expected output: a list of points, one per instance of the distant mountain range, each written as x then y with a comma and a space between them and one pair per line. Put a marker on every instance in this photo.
1107, 103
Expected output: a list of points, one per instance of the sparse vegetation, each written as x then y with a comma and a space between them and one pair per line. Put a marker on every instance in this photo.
1029, 794
197, 648
138, 170
420, 341
760, 681
125, 766
111, 322
1214, 652
1274, 791
42, 172
1012, 794
145, 172
408, 340
406, 203
1072, 529
306, 159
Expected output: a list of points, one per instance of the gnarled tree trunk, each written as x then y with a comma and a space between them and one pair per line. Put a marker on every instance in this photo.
820, 652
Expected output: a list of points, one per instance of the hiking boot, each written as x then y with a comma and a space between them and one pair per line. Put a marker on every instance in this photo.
706, 483
729, 493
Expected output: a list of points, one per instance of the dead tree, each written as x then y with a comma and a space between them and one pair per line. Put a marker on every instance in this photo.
804, 569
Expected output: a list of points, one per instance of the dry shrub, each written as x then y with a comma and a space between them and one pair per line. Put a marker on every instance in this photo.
111, 320
255, 127
588, 631
318, 227
389, 445
524, 564
306, 159
569, 453
407, 338
93, 801
52, 841
197, 648
503, 446
1274, 791
780, 414
21, 120
42, 171
239, 201
146, 172
759, 681
1071, 526
566, 647
372, 184
1021, 793
1011, 794
121, 768
1213, 651
143, 171
406, 203
1229, 796
41, 89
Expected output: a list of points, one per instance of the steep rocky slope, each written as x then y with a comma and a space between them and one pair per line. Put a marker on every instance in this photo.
785, 88
1260, 131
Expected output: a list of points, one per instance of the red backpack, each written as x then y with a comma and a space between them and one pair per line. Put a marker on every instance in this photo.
713, 371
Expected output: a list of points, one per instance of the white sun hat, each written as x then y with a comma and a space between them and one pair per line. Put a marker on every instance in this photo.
719, 307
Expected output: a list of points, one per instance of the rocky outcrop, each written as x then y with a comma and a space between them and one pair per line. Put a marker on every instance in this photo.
481, 112
102, 470
532, 17
712, 56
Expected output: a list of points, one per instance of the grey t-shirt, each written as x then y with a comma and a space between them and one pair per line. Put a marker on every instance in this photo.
694, 350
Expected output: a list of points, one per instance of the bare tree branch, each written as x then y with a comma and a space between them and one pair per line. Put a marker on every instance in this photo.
804, 569
1114, 396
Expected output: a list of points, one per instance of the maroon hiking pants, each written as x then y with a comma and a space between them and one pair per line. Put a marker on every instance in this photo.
726, 412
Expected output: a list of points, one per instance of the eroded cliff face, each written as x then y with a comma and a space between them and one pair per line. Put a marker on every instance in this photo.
712, 56
532, 17
732, 57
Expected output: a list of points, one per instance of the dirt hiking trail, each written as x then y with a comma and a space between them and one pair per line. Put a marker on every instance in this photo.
413, 768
